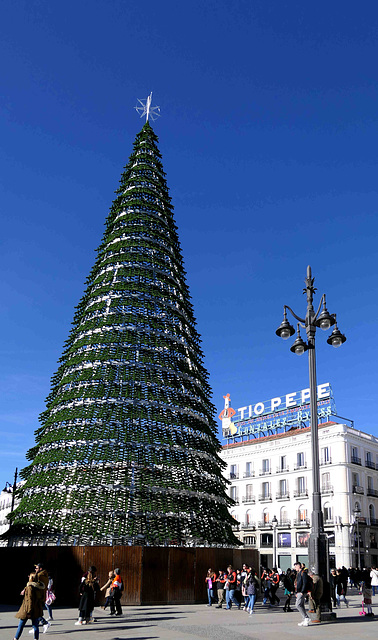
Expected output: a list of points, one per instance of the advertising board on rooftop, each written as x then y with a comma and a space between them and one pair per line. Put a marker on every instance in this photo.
280, 414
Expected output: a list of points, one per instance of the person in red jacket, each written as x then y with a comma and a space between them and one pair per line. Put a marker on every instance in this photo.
230, 586
116, 590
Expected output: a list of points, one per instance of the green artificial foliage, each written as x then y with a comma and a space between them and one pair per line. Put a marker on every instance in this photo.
127, 451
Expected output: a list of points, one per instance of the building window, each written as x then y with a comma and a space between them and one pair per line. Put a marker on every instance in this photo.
249, 491
266, 466
354, 455
234, 493
369, 482
372, 513
266, 539
325, 455
300, 459
301, 483
233, 471
302, 513
326, 481
356, 483
248, 517
369, 460
283, 463
327, 512
248, 470
265, 489
283, 516
265, 516
283, 487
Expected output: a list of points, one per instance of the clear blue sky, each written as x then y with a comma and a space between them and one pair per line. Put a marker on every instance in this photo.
268, 133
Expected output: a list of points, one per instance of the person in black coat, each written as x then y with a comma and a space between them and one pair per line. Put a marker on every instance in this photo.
88, 591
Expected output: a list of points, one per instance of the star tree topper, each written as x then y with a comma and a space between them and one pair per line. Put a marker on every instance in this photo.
145, 109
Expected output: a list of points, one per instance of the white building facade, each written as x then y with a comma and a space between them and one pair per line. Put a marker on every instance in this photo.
271, 476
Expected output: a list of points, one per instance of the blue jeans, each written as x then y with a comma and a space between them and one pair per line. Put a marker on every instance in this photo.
210, 596
230, 598
251, 602
374, 587
21, 626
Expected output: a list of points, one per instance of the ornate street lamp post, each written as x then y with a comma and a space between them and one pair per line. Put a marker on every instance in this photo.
274, 523
357, 512
11, 488
318, 543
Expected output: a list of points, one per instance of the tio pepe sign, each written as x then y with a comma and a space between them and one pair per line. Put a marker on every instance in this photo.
282, 403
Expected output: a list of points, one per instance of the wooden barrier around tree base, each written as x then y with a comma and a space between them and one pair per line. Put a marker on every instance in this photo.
151, 575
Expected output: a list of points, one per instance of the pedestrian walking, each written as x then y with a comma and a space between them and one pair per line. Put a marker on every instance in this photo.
302, 587
107, 588
220, 581
288, 583
374, 579
116, 591
367, 592
252, 586
332, 584
275, 583
88, 591
340, 588
32, 606
50, 598
230, 587
43, 577
210, 583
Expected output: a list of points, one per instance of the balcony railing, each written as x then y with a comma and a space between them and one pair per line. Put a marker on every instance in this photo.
300, 493
284, 523
265, 497
266, 544
370, 464
248, 474
248, 526
372, 492
302, 523
298, 465
282, 469
374, 522
355, 460
265, 472
327, 490
329, 461
234, 475
328, 521
248, 499
283, 495
264, 525
358, 489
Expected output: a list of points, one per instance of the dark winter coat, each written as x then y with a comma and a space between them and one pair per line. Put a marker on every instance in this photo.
87, 601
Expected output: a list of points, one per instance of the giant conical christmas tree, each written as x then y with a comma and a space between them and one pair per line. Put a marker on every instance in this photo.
127, 451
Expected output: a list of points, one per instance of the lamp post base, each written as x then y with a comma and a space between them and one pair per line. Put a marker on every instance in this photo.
318, 563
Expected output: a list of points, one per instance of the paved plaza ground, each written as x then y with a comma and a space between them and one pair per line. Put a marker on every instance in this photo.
194, 622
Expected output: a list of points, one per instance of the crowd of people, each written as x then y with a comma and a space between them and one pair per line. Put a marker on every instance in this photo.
234, 588
39, 593
240, 588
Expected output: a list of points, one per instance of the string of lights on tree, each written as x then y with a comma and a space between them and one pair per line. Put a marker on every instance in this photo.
127, 451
